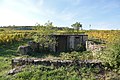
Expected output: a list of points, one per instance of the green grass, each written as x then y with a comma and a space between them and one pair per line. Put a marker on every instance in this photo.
50, 73
7, 52
62, 73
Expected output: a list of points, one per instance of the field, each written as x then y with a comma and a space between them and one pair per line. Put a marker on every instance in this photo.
10, 40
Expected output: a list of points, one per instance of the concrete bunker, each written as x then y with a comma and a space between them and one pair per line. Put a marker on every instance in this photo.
69, 42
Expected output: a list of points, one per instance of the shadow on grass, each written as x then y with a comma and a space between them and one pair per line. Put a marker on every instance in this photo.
9, 50
43, 54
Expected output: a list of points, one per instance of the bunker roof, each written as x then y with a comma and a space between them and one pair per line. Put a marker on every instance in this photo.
70, 35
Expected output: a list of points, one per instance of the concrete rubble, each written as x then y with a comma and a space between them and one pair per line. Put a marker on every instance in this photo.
19, 63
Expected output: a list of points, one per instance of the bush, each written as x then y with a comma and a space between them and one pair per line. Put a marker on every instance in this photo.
111, 56
2, 30
86, 55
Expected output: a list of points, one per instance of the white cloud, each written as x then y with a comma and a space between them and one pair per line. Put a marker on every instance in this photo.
18, 13
28, 12
104, 25
10, 17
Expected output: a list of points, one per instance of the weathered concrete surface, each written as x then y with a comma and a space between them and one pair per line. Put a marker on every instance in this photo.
24, 49
54, 62
19, 63
34, 46
31, 47
16, 70
91, 46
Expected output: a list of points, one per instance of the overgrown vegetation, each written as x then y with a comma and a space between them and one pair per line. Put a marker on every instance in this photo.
111, 56
44, 35
62, 73
10, 40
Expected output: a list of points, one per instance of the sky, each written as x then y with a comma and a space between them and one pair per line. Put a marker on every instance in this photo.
100, 14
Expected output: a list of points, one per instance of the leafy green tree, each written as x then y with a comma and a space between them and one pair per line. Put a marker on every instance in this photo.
77, 26
44, 36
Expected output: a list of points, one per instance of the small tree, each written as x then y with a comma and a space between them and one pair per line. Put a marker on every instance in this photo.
77, 26
44, 35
